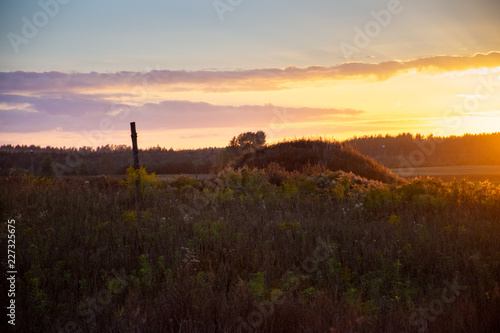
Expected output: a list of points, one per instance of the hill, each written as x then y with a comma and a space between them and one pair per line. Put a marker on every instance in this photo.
306, 154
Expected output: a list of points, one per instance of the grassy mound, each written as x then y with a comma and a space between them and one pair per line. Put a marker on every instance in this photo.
313, 154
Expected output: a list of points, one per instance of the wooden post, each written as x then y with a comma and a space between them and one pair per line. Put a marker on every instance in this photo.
136, 163
134, 145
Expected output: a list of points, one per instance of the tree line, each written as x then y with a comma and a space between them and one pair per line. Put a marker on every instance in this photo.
109, 160
395, 151
391, 151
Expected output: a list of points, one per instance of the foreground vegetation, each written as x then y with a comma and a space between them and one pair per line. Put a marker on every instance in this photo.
255, 251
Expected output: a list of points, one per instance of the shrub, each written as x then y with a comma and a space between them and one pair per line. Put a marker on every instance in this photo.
139, 181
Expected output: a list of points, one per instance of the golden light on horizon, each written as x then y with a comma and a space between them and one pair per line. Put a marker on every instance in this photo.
340, 101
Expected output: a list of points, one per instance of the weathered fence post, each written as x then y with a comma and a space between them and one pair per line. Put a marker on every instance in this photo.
134, 145
136, 161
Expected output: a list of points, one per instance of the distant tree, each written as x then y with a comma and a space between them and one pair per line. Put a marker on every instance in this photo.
240, 146
247, 142
48, 167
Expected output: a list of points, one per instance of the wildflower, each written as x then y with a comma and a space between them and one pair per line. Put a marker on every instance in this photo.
189, 257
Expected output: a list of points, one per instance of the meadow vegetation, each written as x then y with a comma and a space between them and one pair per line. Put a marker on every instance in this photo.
255, 250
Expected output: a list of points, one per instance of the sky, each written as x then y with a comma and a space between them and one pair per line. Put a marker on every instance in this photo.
196, 73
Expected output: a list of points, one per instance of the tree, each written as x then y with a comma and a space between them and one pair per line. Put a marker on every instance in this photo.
242, 145
48, 167
247, 142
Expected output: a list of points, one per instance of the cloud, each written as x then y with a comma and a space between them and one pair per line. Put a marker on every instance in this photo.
76, 114
57, 102
199, 136
491, 113
75, 106
267, 79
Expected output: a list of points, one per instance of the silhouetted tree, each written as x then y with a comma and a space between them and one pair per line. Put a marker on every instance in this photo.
242, 145
247, 142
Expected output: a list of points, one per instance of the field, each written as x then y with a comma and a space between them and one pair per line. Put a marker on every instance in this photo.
449, 173
252, 252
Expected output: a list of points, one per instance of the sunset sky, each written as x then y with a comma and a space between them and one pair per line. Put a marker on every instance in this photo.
196, 73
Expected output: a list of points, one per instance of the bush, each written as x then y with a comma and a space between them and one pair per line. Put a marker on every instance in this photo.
140, 182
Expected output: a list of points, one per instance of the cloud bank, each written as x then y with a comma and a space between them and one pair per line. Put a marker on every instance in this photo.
269, 79
75, 103
75, 114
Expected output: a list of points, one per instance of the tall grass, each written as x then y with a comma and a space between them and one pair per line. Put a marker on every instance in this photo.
319, 252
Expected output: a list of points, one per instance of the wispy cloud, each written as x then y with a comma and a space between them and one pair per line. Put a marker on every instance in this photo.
267, 79
81, 113
492, 113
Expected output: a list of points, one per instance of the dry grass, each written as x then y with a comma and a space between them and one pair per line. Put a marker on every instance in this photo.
449, 173
321, 252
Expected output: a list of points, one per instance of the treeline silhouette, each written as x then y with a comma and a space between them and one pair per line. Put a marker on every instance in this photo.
396, 151
390, 151
108, 159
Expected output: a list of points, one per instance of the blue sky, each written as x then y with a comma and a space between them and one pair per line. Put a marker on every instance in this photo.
186, 41
115, 35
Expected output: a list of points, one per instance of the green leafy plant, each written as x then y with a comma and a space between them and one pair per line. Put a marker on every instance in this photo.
140, 179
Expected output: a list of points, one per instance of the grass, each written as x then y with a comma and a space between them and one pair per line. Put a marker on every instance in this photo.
476, 173
310, 253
